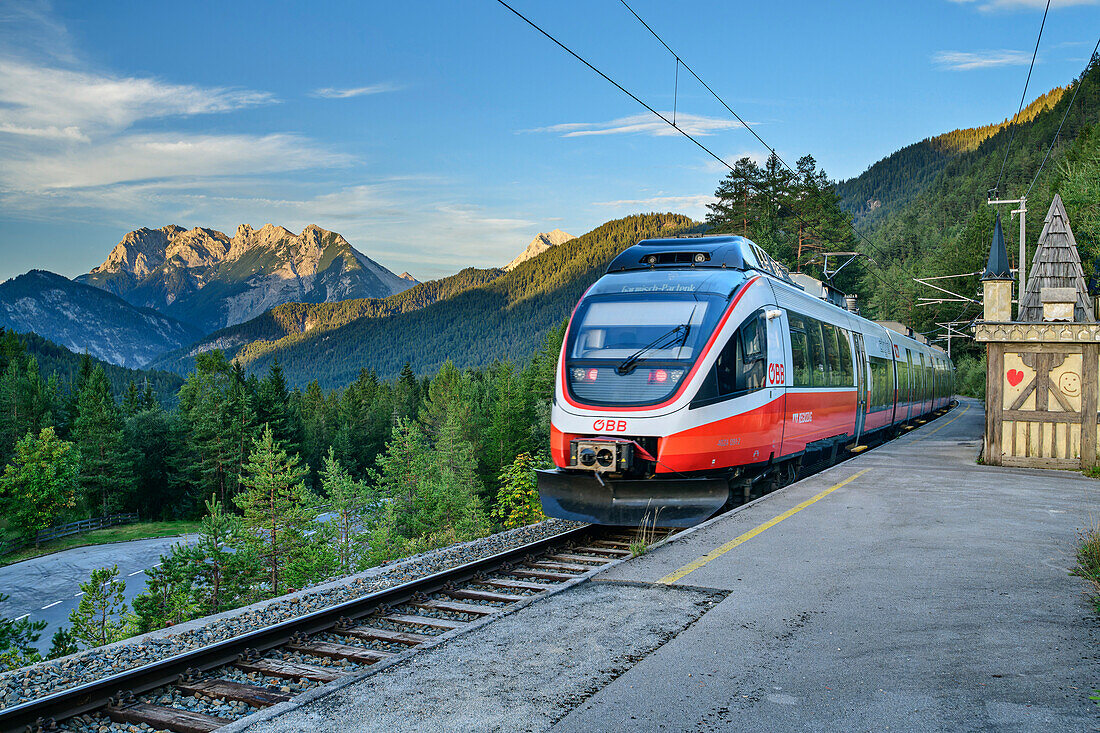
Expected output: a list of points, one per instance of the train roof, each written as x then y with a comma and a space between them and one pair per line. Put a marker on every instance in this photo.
720, 252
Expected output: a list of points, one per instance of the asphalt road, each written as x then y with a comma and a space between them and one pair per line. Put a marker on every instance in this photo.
906, 589
48, 587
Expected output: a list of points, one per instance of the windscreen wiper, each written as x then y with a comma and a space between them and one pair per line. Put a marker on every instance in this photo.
680, 333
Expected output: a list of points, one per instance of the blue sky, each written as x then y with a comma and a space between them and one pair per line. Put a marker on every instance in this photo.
441, 134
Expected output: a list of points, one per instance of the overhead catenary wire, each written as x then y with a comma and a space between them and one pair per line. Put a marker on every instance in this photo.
637, 99
1015, 120
1069, 106
738, 117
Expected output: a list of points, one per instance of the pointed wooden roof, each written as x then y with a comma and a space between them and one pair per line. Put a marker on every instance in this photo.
1056, 265
997, 267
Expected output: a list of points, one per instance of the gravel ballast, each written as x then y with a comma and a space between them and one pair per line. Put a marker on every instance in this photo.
38, 680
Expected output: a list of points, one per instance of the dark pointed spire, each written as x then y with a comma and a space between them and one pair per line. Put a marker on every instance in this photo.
997, 268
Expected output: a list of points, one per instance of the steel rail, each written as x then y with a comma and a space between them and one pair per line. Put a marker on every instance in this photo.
93, 695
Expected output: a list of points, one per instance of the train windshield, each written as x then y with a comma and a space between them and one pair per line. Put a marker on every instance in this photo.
635, 349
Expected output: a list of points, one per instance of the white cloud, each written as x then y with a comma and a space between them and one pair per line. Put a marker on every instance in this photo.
693, 205
662, 202
168, 156
74, 139
643, 124
335, 93
989, 5
35, 100
969, 60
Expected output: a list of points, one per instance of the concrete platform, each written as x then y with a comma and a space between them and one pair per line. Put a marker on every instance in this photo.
906, 589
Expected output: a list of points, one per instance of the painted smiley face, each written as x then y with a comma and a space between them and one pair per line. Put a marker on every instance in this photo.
1070, 384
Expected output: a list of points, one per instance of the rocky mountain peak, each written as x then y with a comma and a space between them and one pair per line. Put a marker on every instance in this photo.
542, 242
170, 269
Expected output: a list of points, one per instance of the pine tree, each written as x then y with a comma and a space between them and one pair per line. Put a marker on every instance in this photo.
450, 505
17, 640
408, 392
510, 418
40, 483
348, 501
97, 619
105, 468
273, 407
131, 401
278, 510
62, 644
739, 206
169, 595
518, 501
225, 568
400, 475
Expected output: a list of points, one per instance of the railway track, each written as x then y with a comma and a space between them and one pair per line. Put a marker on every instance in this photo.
204, 689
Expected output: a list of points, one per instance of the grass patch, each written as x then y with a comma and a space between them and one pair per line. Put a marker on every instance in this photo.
645, 535
122, 533
1088, 561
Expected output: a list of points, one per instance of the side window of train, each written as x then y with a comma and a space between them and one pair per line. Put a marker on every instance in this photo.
799, 350
741, 366
833, 374
846, 362
882, 384
903, 381
817, 353
841, 372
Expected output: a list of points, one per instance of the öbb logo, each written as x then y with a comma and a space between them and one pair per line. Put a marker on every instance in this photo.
777, 373
610, 426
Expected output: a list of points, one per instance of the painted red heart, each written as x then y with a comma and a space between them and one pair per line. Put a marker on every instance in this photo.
1015, 377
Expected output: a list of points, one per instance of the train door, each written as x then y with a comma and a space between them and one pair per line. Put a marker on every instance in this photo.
910, 392
862, 375
926, 386
779, 356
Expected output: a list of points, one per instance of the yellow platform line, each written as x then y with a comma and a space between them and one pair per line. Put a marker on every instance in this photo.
941, 427
718, 552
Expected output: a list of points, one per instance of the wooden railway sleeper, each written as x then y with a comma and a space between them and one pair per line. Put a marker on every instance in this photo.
570, 557
285, 670
160, 717
218, 689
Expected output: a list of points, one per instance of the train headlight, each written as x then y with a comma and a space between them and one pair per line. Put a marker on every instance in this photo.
651, 260
578, 375
700, 257
675, 374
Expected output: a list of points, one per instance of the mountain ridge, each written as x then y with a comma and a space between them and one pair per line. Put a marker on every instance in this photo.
82, 318
207, 278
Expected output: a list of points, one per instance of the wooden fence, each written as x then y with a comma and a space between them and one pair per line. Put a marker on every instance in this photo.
64, 530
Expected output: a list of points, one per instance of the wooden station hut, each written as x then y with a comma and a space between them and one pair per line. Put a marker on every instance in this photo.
1043, 369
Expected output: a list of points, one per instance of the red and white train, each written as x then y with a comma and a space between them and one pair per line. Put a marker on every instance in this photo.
696, 369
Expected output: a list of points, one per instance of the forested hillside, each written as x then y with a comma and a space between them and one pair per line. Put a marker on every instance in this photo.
946, 228
897, 179
67, 366
506, 318
279, 327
